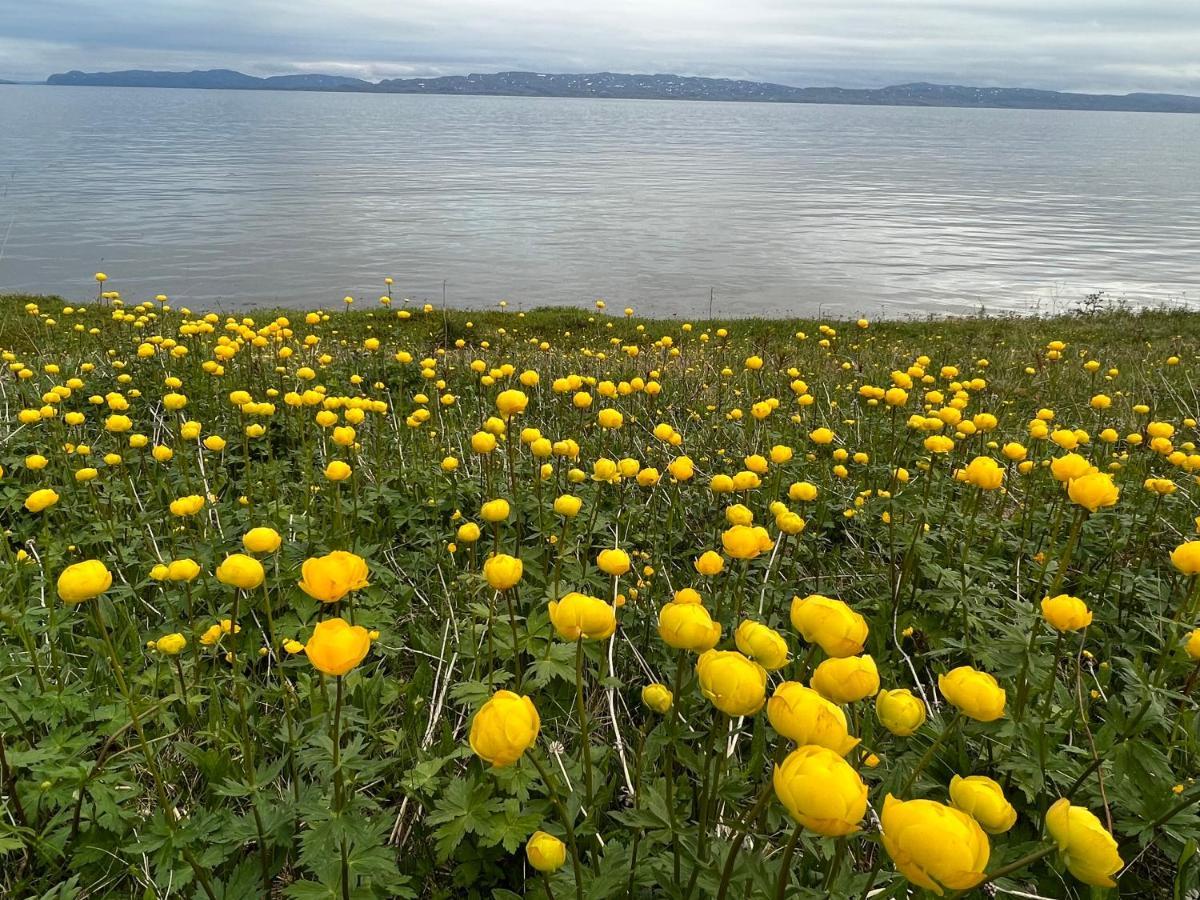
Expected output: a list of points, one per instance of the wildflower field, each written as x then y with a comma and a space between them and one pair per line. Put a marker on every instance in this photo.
397, 601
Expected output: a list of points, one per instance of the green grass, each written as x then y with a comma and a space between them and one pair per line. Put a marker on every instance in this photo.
126, 772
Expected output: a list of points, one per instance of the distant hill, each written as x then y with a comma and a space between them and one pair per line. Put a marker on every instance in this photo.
645, 87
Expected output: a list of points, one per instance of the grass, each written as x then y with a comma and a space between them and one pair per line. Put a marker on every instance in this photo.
245, 763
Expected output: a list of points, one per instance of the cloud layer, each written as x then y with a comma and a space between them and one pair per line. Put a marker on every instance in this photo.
1098, 45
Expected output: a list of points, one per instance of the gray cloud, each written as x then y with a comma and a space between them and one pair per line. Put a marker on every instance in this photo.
1097, 45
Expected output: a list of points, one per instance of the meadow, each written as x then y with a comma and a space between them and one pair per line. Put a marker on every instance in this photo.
386, 600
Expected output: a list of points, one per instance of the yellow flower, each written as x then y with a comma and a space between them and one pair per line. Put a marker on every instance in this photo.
511, 402
567, 506
504, 728
1192, 645
331, 577
737, 686
1070, 466
821, 436
1087, 848
985, 473
658, 697
610, 418
41, 500
821, 791
171, 644
803, 716
1186, 557
762, 644
494, 510
187, 506
261, 540
939, 443
468, 532
545, 852
502, 571
337, 470
240, 570
934, 846
578, 616
681, 468
336, 646
83, 581
976, 694
745, 541
613, 561
1094, 491
1066, 613
688, 625
185, 569
983, 800
291, 646
846, 679
709, 563
483, 442
831, 623
899, 711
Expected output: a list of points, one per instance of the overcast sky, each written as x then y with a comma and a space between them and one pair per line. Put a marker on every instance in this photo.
1086, 45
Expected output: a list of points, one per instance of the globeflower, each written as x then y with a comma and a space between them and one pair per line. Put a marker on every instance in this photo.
658, 697
934, 846
579, 616
187, 506
41, 500
737, 686
1086, 846
494, 510
545, 852
831, 623
1070, 466
184, 570
171, 644
1066, 613
985, 473
336, 646
899, 711
511, 402
709, 563
803, 716
762, 644
687, 625
745, 541
504, 728
1186, 558
567, 506
261, 540
821, 791
1094, 491
976, 694
613, 561
846, 679
241, 571
983, 800
331, 577
82, 581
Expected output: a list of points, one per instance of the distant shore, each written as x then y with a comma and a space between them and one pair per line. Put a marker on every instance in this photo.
621, 86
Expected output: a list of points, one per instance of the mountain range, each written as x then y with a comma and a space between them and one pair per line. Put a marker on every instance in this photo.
644, 87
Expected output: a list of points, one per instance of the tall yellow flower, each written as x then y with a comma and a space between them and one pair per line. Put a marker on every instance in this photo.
821, 791
504, 728
336, 646
331, 577
1089, 851
737, 686
934, 846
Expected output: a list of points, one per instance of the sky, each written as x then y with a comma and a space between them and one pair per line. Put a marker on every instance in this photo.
1082, 45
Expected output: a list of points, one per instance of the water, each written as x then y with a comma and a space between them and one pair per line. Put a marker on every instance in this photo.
234, 199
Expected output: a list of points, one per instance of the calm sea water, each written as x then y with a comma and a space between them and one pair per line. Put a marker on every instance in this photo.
230, 199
